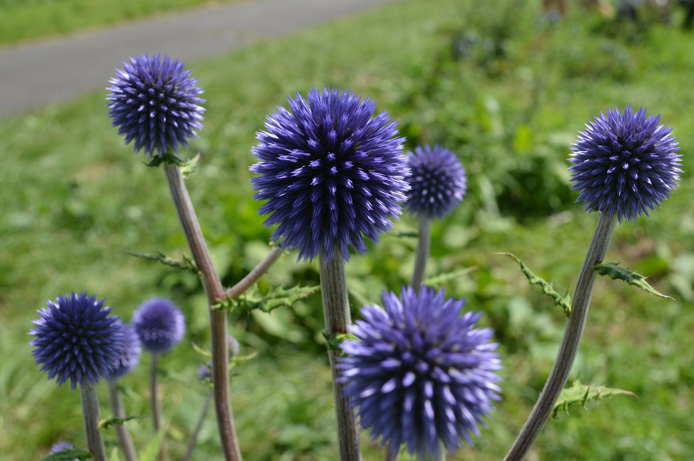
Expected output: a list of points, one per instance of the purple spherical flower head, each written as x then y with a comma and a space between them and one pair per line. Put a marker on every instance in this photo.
330, 172
155, 103
437, 182
159, 324
130, 353
420, 373
76, 339
624, 163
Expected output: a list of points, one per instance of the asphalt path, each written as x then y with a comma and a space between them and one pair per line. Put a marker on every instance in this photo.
55, 70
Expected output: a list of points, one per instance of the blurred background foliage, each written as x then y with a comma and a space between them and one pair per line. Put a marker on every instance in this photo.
507, 88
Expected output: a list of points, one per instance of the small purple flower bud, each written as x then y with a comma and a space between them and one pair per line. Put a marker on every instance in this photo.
437, 182
159, 324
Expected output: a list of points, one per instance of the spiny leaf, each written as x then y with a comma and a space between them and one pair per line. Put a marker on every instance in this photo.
614, 271
69, 455
562, 301
106, 423
168, 158
279, 297
186, 264
438, 280
404, 234
580, 393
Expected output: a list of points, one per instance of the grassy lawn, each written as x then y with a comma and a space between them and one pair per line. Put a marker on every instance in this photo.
30, 19
505, 91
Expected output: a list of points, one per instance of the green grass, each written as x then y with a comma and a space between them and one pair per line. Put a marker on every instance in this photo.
73, 197
31, 19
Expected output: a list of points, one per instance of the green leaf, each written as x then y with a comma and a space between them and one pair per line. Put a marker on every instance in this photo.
437, 280
185, 265
614, 271
189, 167
151, 450
168, 158
562, 301
203, 352
404, 234
69, 455
106, 423
336, 339
579, 394
279, 297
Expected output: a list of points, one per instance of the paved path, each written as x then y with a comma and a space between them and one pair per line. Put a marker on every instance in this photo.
58, 70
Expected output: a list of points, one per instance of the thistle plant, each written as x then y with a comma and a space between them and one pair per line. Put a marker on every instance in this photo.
420, 373
331, 174
160, 326
77, 339
623, 165
437, 184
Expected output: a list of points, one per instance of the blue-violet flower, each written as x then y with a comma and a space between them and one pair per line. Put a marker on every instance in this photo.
160, 325
75, 338
420, 373
330, 172
155, 103
130, 354
624, 163
437, 182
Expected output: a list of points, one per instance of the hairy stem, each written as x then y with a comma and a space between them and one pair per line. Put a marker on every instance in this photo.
218, 317
569, 346
156, 407
91, 414
126, 442
420, 265
201, 419
337, 318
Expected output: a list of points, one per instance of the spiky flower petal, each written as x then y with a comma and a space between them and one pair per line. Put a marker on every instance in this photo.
75, 338
155, 103
331, 173
420, 373
624, 163
437, 182
160, 325
130, 354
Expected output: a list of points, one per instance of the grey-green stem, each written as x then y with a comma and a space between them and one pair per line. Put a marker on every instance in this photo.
423, 244
254, 275
201, 419
126, 442
569, 346
91, 414
156, 407
337, 318
218, 317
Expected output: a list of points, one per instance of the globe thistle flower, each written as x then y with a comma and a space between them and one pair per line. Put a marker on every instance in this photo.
331, 173
159, 324
61, 446
420, 373
130, 353
624, 163
155, 103
437, 182
75, 338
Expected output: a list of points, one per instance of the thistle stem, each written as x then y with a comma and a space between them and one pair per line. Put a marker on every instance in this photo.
420, 265
91, 414
156, 408
126, 442
254, 275
569, 346
218, 317
337, 318
194, 437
